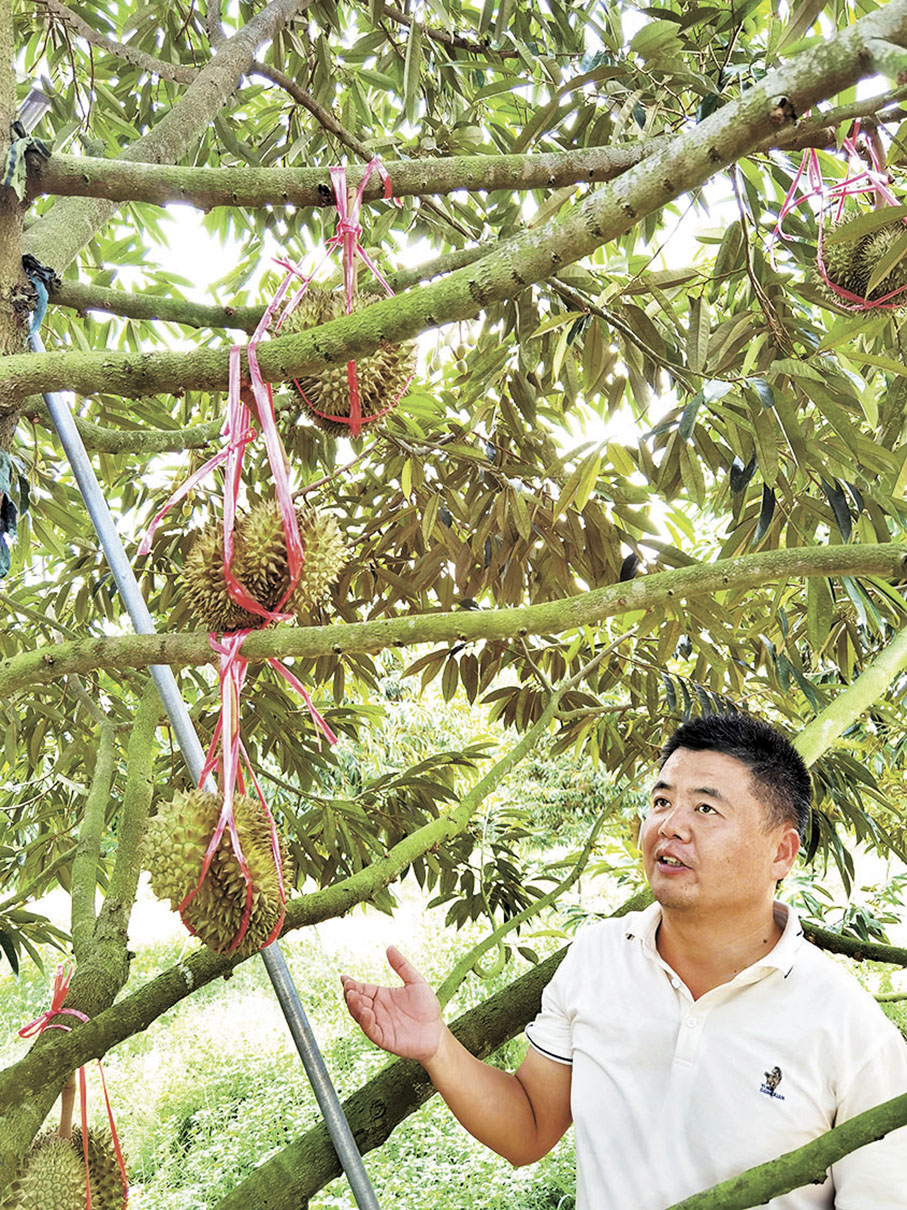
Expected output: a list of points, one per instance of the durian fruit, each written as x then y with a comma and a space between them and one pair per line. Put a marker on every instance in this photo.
103, 1168
175, 843
381, 377
204, 589
260, 564
52, 1177
265, 567
850, 264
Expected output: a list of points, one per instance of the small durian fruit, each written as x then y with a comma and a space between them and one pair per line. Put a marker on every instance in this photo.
103, 1167
381, 377
175, 843
204, 588
850, 264
52, 1177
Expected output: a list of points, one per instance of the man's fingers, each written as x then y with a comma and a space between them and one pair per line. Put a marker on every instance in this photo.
403, 966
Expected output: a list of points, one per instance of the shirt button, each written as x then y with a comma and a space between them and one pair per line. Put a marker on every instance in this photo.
691, 1022
675, 983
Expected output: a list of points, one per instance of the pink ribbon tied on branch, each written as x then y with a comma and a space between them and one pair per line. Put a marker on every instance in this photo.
46, 1021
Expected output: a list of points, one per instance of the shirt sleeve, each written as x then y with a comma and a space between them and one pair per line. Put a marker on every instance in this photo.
874, 1175
551, 1033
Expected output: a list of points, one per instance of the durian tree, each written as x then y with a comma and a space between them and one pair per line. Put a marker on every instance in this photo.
649, 464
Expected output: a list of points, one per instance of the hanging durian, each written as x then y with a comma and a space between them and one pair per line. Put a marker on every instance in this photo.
382, 376
103, 1168
851, 263
175, 843
260, 564
52, 1176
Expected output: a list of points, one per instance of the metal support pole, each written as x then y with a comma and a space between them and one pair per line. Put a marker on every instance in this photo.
175, 707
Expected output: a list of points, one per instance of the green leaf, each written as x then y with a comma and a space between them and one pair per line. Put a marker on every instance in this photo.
892, 257
802, 16
856, 227
412, 72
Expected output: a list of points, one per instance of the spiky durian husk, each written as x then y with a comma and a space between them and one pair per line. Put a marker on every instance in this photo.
260, 563
52, 1177
204, 589
850, 264
381, 377
106, 1180
175, 844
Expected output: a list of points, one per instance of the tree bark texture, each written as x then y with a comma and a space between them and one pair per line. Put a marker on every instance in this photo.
668, 588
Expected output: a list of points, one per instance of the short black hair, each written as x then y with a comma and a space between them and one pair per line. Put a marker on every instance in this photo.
775, 764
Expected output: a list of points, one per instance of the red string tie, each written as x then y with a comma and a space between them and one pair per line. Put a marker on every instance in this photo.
46, 1021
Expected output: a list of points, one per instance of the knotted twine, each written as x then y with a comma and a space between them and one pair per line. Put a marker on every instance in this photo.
46, 1021
871, 180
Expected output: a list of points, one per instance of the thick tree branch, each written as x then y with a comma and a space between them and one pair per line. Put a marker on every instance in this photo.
255, 187
670, 588
88, 848
206, 188
684, 163
57, 238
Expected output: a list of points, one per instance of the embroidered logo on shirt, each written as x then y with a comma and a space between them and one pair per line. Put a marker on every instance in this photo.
772, 1080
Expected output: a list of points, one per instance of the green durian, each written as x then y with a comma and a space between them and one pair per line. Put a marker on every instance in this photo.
382, 376
850, 264
175, 843
204, 596
52, 1177
103, 1168
260, 564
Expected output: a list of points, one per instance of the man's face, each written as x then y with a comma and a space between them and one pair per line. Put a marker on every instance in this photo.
706, 842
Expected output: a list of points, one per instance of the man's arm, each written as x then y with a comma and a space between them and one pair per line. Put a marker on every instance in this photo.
519, 1115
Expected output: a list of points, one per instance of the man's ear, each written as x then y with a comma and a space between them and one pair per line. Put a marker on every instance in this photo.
786, 852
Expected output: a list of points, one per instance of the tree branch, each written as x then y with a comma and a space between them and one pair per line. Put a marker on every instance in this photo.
854, 947
684, 163
88, 848
57, 238
818, 735
198, 315
136, 441
130, 54
670, 588
807, 1165
451, 41
496, 938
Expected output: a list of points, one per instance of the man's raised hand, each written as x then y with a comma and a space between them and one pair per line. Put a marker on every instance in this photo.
404, 1020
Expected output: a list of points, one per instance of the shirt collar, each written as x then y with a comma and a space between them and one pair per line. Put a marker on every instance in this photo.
643, 926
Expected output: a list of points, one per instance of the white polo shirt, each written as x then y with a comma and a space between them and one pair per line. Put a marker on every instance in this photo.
671, 1095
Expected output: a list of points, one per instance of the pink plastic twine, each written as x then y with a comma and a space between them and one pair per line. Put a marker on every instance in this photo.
347, 239
46, 1021
227, 751
873, 180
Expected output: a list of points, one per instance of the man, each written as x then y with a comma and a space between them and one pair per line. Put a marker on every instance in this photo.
697, 1038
